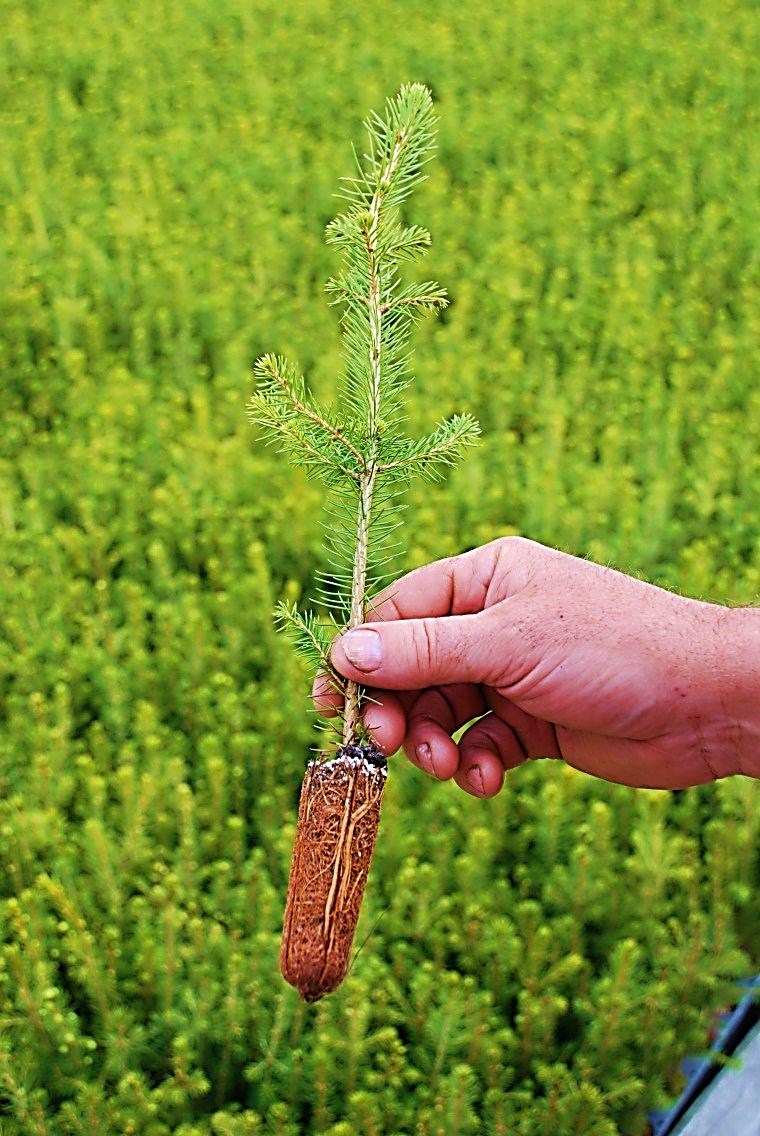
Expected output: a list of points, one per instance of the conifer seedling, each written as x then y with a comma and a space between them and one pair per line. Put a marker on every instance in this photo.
364, 459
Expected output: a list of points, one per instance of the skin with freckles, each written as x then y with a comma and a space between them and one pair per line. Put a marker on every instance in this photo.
554, 657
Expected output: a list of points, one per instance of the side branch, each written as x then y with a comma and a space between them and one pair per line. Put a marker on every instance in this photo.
442, 447
336, 434
432, 300
261, 412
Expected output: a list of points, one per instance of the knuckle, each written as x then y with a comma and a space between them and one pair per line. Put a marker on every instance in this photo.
425, 646
515, 547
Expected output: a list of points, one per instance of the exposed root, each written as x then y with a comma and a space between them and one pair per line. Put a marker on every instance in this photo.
338, 817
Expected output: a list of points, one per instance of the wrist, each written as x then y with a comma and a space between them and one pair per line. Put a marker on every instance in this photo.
733, 688
750, 705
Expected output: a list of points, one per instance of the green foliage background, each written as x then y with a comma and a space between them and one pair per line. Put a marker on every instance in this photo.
541, 961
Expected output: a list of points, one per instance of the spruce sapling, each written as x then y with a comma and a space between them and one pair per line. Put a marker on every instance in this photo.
364, 459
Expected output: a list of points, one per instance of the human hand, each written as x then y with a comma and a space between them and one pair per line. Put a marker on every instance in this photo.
561, 658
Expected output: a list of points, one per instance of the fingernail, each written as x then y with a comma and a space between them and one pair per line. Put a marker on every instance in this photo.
364, 648
425, 757
475, 778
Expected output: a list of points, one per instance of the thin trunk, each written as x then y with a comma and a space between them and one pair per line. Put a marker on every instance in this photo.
353, 693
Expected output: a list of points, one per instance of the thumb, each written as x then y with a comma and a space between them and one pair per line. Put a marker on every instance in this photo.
410, 654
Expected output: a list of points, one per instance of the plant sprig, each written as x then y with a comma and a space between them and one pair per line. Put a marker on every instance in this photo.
361, 454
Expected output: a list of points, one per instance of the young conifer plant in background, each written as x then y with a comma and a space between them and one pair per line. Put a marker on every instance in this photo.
362, 455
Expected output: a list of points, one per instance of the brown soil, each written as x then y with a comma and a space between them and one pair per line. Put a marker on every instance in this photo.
337, 826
